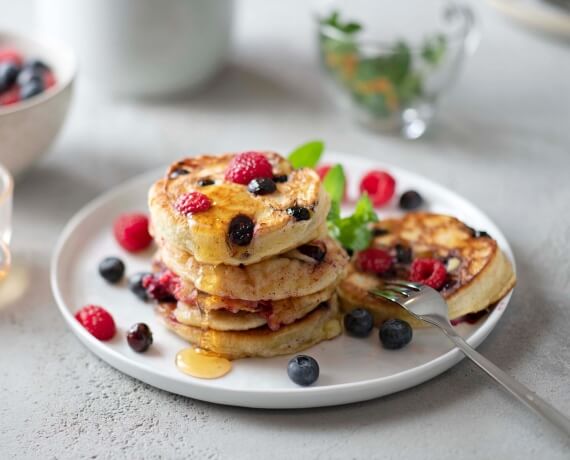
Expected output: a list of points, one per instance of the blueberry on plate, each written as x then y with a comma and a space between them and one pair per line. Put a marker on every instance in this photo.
139, 337
411, 200
303, 370
112, 269
395, 334
359, 322
136, 285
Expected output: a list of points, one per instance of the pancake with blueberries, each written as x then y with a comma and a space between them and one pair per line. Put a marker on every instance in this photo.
465, 265
304, 270
237, 209
322, 323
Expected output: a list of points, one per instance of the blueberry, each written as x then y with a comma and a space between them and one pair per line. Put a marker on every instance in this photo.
313, 251
395, 334
36, 65
380, 232
27, 75
31, 89
8, 74
139, 337
279, 179
299, 213
411, 200
240, 230
178, 172
261, 186
403, 254
205, 182
112, 269
136, 285
359, 322
303, 370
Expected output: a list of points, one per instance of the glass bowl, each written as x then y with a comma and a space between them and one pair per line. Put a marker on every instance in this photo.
388, 62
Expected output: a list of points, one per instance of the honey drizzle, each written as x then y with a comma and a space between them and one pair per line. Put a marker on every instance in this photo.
202, 364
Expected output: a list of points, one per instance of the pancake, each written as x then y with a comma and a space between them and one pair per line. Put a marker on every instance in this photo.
205, 234
321, 324
223, 314
292, 274
479, 273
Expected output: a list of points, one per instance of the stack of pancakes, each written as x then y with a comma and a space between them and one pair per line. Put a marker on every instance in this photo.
274, 295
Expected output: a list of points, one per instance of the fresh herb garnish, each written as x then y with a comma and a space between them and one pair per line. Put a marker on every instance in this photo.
353, 232
433, 49
307, 155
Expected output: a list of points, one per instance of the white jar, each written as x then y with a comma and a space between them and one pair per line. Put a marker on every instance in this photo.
142, 47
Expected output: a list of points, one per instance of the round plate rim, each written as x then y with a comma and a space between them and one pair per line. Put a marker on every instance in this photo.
409, 377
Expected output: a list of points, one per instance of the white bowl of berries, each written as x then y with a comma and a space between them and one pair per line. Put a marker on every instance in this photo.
36, 79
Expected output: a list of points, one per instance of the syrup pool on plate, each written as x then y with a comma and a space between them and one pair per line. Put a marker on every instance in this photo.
202, 364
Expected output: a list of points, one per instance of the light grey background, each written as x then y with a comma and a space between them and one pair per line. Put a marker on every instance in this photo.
502, 141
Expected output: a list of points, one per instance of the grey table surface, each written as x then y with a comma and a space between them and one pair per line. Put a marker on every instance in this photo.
502, 141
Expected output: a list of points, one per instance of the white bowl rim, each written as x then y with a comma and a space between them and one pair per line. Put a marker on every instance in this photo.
47, 42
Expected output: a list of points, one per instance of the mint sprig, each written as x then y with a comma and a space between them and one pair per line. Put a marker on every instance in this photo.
353, 231
307, 155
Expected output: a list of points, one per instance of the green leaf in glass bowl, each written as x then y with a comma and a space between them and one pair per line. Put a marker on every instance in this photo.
434, 49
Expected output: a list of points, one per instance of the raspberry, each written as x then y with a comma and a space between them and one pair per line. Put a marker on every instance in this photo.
322, 172
11, 96
98, 322
49, 79
162, 286
248, 166
430, 272
191, 203
9, 54
379, 185
131, 232
374, 260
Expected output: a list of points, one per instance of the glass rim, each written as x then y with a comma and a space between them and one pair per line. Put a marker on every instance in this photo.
6, 184
455, 38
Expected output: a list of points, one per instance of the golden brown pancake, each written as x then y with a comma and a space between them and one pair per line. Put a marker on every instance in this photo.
479, 273
205, 234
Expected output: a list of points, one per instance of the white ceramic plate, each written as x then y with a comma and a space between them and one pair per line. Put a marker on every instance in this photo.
539, 15
351, 369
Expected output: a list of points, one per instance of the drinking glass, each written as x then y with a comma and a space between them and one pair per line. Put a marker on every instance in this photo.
387, 62
6, 192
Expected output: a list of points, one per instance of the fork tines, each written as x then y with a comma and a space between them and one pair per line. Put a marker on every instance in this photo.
395, 290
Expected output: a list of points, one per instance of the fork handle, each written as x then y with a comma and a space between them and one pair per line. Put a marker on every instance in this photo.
517, 389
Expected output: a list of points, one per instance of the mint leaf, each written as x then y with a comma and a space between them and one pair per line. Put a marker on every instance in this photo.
334, 184
307, 155
364, 210
348, 28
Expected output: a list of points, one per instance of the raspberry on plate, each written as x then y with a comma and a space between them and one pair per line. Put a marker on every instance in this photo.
430, 272
380, 187
374, 260
247, 166
131, 232
192, 203
98, 322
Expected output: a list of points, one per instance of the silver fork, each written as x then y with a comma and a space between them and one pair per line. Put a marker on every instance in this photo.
428, 305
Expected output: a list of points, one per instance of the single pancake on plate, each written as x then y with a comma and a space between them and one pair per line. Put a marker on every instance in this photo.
322, 323
304, 270
278, 228
479, 274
